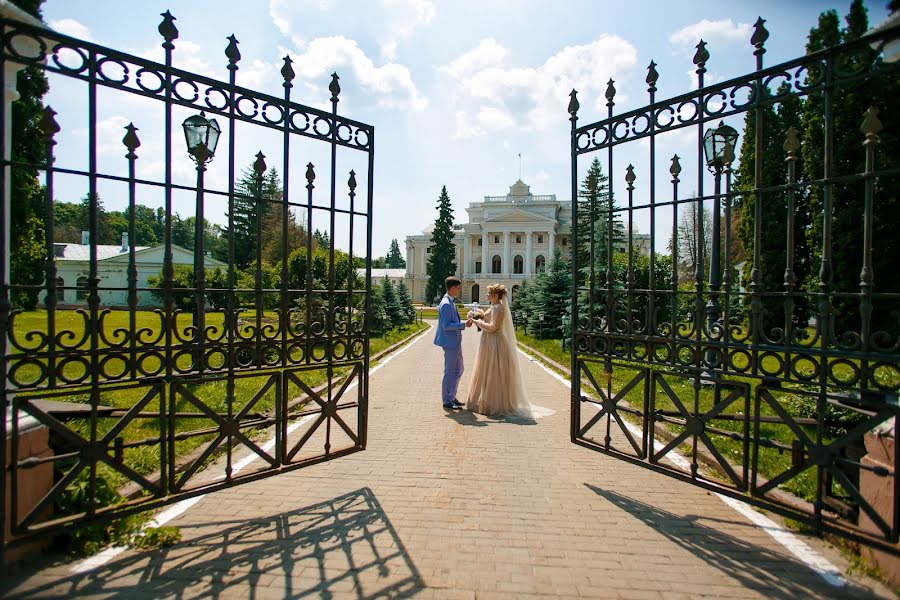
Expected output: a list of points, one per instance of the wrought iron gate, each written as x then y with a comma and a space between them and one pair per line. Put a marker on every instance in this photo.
168, 402
774, 381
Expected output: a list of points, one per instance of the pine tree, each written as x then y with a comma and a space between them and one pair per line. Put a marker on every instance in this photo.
519, 306
394, 260
274, 243
391, 305
247, 213
442, 262
595, 207
378, 319
550, 298
321, 239
408, 311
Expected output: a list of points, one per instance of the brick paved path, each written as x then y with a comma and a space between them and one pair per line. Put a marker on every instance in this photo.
456, 506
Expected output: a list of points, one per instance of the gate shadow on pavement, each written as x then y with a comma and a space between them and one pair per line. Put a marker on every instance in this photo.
344, 546
755, 567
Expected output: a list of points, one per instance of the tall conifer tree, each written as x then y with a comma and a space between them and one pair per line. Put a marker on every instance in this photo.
442, 261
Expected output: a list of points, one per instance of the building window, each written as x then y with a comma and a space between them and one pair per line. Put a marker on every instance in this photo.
518, 239
475, 292
480, 242
496, 264
478, 266
540, 239
496, 239
565, 241
538, 262
60, 292
428, 250
82, 285
518, 264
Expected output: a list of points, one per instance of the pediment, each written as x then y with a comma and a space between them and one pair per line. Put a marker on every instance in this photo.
519, 216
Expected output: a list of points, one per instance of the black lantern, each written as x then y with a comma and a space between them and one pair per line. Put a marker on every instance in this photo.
718, 146
201, 135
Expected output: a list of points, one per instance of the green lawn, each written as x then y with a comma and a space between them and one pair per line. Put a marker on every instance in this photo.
772, 460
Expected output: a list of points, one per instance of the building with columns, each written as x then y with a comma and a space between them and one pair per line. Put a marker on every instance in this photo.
507, 240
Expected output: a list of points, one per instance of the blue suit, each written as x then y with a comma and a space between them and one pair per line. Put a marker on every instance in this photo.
449, 337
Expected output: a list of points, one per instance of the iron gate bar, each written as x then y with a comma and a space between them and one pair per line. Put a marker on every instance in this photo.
718, 356
175, 364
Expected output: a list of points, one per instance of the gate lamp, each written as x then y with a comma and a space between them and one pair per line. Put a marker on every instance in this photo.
201, 135
718, 146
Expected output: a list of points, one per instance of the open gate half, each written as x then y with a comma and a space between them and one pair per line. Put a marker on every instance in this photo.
735, 288
213, 340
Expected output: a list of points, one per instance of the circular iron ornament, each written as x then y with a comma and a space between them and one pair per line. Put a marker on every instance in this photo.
30, 373
12, 39
582, 343
582, 141
114, 366
339, 350
852, 61
358, 348
306, 123
150, 364
599, 345
885, 376
775, 82
645, 120
319, 351
668, 111
217, 359
183, 361
245, 356
322, 126
809, 76
73, 369
344, 133
616, 136
599, 142
718, 96
253, 103
157, 87
209, 98
272, 355
685, 355
805, 368
639, 351
746, 88
843, 372
192, 86
269, 119
693, 103
740, 361
362, 138
662, 353
296, 353
124, 73
771, 363
718, 357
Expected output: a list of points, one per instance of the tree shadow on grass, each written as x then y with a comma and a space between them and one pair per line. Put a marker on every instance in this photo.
344, 546
775, 574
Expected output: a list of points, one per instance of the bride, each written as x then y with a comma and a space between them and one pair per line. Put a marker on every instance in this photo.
497, 387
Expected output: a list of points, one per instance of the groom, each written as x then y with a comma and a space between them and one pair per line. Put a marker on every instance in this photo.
449, 337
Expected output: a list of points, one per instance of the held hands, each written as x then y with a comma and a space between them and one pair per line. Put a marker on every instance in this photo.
469, 322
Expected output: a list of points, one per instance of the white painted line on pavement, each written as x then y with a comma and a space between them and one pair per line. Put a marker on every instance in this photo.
179, 508
808, 556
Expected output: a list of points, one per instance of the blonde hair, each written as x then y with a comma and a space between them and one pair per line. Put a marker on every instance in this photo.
497, 288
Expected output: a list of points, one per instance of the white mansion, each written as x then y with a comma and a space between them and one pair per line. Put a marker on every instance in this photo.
507, 240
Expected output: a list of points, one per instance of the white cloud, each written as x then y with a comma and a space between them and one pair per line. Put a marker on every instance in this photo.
72, 28
723, 30
187, 55
502, 96
392, 83
391, 22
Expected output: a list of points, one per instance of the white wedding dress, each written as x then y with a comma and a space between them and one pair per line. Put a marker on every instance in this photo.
497, 387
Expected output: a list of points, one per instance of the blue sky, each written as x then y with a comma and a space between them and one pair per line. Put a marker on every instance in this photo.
455, 89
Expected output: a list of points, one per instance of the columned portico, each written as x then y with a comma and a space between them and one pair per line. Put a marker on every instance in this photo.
529, 253
506, 270
552, 244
